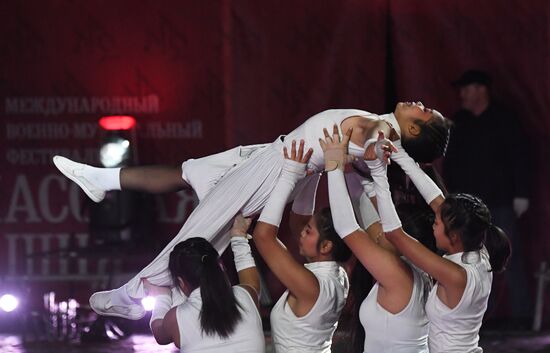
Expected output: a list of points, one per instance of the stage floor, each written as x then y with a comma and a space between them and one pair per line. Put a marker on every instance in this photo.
492, 342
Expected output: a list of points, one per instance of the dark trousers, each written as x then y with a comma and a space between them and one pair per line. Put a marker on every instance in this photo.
515, 280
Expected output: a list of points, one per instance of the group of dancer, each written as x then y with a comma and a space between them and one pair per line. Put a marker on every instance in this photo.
421, 302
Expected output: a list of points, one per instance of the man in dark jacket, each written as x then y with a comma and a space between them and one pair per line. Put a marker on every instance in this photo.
487, 156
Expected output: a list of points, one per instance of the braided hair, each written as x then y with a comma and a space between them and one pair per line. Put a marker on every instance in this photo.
470, 218
432, 141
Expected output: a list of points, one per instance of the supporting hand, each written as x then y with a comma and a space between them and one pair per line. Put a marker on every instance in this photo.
381, 149
294, 167
240, 226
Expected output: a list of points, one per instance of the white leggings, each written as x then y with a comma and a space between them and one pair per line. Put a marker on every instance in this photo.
224, 189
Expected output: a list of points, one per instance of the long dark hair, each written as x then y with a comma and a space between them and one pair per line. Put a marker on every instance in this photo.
196, 261
323, 220
431, 143
470, 218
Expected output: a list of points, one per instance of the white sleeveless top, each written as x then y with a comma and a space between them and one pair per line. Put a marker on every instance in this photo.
312, 332
312, 129
247, 337
457, 329
404, 332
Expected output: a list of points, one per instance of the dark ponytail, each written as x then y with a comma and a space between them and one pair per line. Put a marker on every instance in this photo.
470, 218
197, 262
498, 246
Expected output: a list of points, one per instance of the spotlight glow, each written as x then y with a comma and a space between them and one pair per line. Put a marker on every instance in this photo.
114, 153
148, 303
8, 303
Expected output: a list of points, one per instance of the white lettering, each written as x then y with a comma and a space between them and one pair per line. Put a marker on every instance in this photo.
59, 105
44, 198
21, 202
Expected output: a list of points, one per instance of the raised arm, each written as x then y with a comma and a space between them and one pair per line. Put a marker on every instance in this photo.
367, 215
431, 193
299, 281
390, 272
249, 278
447, 273
303, 205
163, 323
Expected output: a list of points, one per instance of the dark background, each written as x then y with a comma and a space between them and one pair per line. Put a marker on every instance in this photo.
203, 76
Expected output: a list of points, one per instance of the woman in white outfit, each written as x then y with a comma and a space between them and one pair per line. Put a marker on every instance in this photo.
475, 248
241, 180
306, 315
215, 317
392, 314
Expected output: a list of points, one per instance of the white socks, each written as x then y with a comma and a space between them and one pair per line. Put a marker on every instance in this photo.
103, 178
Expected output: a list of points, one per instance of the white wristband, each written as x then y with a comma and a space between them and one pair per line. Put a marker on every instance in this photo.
366, 212
388, 215
163, 304
241, 253
304, 203
343, 217
273, 210
423, 183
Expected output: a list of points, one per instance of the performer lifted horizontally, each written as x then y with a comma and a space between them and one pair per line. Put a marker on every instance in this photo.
241, 180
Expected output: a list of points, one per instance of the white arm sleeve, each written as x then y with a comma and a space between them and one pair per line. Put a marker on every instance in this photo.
241, 253
343, 216
304, 203
163, 304
365, 211
273, 210
388, 215
425, 185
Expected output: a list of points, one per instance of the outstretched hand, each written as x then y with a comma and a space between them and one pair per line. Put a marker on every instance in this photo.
336, 151
381, 149
298, 156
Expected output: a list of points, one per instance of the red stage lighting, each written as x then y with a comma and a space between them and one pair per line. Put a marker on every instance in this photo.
117, 122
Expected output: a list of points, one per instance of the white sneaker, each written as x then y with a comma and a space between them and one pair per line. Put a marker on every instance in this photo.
101, 304
73, 171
